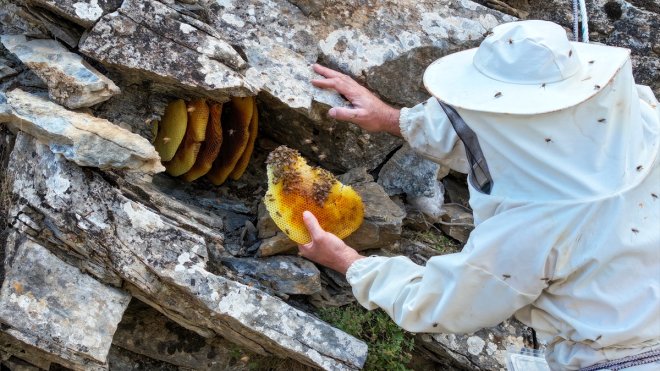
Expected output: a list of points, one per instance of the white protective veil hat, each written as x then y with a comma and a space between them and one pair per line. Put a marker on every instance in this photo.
525, 67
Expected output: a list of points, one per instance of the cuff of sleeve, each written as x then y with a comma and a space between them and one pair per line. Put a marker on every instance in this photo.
356, 270
405, 122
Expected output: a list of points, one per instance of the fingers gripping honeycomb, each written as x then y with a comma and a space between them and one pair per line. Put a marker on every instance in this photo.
294, 186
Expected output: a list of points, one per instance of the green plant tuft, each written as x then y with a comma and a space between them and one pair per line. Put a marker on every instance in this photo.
389, 345
437, 240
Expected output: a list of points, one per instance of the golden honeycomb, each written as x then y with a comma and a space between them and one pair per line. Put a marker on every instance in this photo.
210, 148
186, 154
171, 129
243, 162
236, 134
294, 186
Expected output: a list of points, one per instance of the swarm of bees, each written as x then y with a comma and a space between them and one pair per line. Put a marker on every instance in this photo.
294, 186
196, 138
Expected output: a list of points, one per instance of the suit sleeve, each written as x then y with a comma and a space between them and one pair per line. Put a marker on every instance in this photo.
494, 276
428, 131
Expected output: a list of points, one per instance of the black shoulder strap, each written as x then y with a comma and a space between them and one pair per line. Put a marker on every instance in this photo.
480, 175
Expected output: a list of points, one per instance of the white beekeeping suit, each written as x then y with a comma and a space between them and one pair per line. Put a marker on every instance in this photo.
568, 238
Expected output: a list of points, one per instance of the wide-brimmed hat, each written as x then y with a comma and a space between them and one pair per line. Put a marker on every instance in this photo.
525, 67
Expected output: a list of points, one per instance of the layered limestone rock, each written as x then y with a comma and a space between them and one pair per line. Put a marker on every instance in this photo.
190, 251
150, 39
5, 70
55, 308
143, 330
284, 274
483, 350
79, 137
82, 12
161, 261
71, 81
408, 172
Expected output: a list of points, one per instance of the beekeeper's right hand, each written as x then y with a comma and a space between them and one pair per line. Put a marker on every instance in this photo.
326, 248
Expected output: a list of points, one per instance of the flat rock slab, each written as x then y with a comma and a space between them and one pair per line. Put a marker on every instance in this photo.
6, 71
134, 40
163, 263
71, 81
79, 137
383, 219
457, 222
51, 305
82, 12
410, 173
285, 274
485, 348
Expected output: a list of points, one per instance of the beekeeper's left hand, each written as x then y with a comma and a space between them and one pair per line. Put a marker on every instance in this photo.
326, 248
367, 111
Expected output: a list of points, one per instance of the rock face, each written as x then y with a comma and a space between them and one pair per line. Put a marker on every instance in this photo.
483, 350
84, 139
71, 81
50, 305
279, 42
191, 252
5, 70
144, 330
285, 274
457, 222
161, 262
84, 12
139, 36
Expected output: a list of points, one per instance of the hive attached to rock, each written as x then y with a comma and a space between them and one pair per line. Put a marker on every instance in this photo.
186, 154
294, 186
197, 138
171, 129
243, 162
236, 134
210, 148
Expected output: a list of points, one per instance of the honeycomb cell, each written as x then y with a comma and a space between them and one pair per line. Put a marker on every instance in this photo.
186, 154
198, 117
185, 157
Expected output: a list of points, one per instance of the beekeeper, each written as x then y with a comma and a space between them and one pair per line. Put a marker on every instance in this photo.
561, 151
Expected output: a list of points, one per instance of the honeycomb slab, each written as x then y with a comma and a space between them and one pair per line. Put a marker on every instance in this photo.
243, 162
294, 186
171, 129
210, 148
